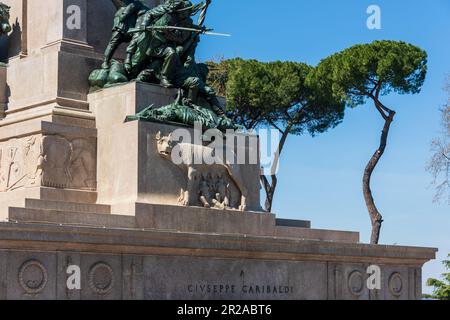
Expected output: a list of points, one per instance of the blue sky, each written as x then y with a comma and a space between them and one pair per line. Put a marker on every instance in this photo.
320, 178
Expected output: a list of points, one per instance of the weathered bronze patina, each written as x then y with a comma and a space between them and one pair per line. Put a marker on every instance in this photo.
5, 27
161, 49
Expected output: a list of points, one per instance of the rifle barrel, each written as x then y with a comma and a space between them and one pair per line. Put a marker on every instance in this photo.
203, 31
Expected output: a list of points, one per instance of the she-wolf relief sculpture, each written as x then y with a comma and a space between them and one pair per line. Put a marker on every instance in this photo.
214, 191
218, 186
50, 160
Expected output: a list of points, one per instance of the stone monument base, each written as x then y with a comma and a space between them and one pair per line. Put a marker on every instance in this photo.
172, 252
122, 257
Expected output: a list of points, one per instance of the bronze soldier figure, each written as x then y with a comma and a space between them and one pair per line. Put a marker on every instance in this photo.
159, 44
192, 78
124, 19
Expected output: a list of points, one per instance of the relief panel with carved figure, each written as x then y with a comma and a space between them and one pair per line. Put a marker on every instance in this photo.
48, 160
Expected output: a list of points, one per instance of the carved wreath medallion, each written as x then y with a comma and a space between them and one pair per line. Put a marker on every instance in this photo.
33, 277
101, 278
356, 283
396, 284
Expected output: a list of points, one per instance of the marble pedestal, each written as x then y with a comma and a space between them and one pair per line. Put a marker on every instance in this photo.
119, 263
130, 170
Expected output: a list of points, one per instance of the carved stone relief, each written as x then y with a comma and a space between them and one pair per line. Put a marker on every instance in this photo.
396, 284
69, 163
101, 278
356, 283
50, 160
33, 277
218, 186
21, 163
216, 190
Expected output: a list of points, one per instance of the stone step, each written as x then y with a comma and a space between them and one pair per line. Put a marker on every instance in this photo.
317, 234
293, 223
25, 215
196, 219
67, 195
67, 206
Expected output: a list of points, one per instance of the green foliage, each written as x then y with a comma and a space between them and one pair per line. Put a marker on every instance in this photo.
274, 94
441, 288
296, 98
365, 70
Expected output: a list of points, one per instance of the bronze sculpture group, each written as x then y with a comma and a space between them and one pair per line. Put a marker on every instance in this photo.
161, 45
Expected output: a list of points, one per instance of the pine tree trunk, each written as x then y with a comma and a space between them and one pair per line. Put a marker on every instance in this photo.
375, 216
270, 187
